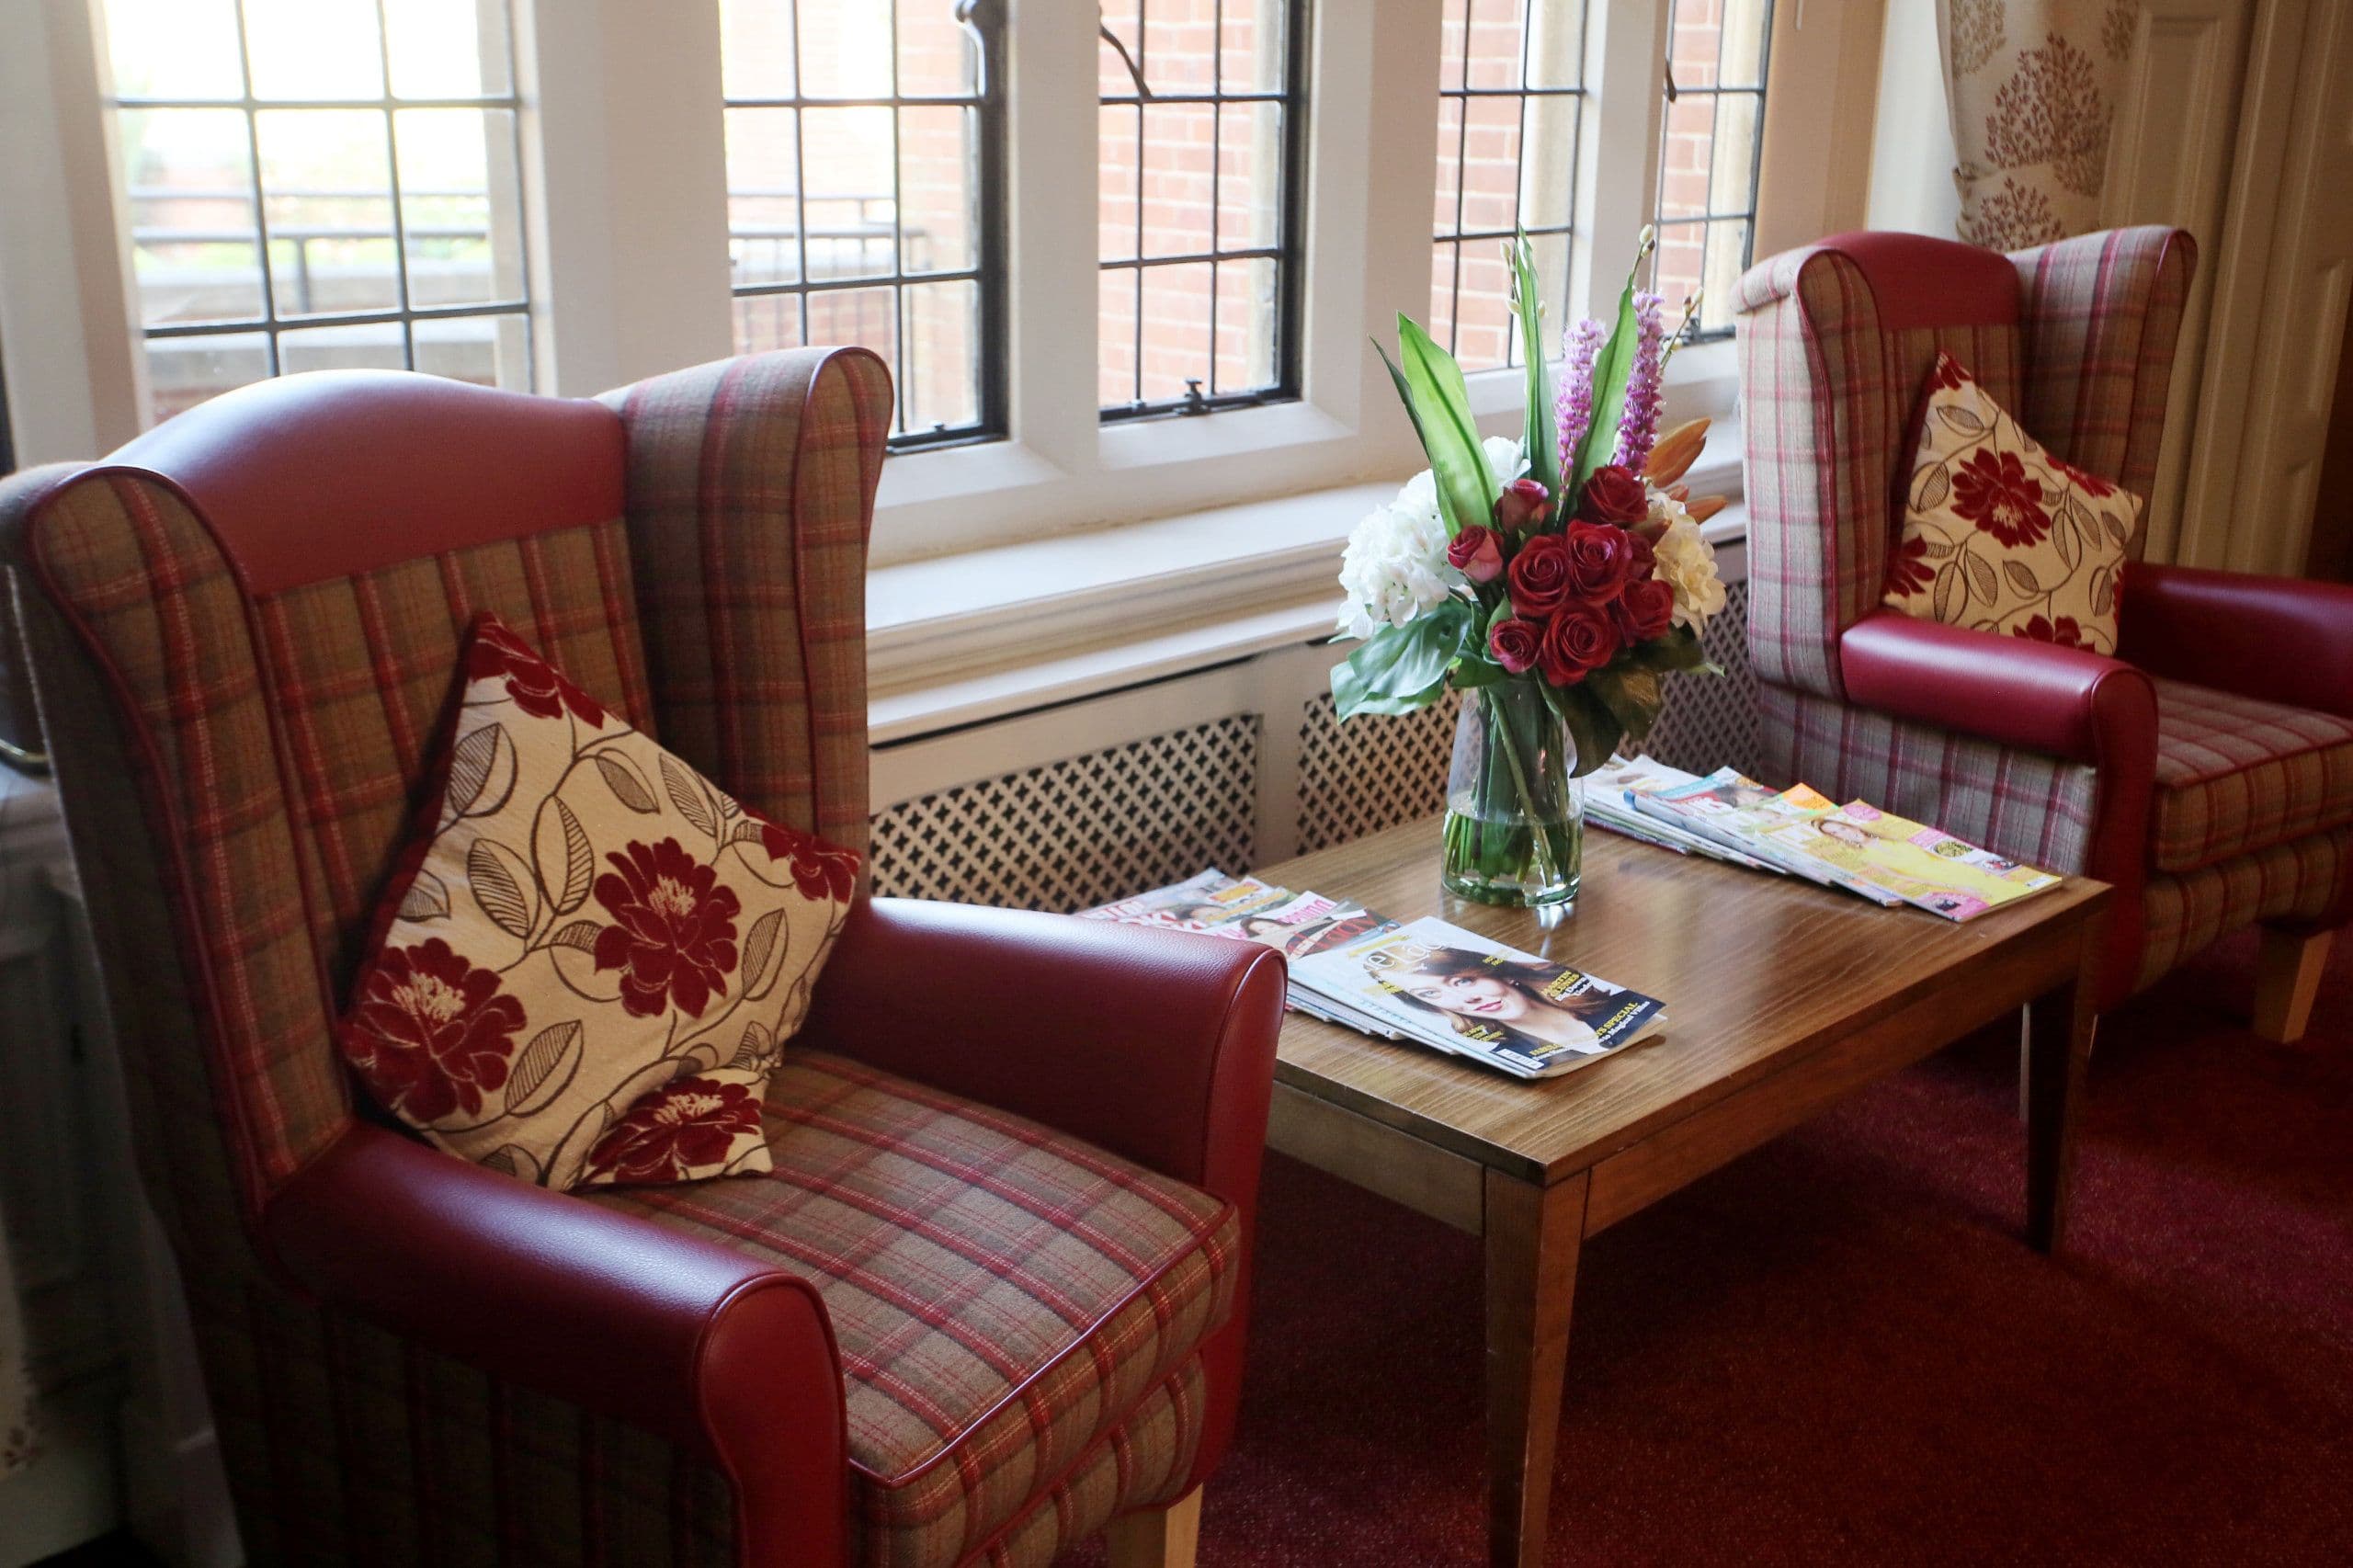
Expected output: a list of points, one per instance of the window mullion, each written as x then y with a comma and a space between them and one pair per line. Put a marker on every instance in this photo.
1050, 199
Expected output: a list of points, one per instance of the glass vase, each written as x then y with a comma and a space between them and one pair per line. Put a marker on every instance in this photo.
1515, 818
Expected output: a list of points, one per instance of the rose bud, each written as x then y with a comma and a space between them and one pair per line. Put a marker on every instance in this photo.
1645, 554
1540, 576
1515, 643
1601, 558
1522, 506
1614, 495
1644, 610
1477, 554
1580, 641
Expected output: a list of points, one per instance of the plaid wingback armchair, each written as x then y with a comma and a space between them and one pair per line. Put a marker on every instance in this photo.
2207, 772
992, 1298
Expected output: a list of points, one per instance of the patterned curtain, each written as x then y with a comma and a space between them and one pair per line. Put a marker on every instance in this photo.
2033, 87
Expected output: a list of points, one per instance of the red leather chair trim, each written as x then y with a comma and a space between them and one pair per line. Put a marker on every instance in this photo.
602, 1309
335, 473
2278, 639
2064, 702
1919, 281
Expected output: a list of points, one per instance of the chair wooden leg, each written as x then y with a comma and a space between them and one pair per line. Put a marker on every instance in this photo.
2287, 976
1158, 1537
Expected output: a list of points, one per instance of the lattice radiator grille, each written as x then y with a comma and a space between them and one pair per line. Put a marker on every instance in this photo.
1084, 831
1711, 721
1373, 772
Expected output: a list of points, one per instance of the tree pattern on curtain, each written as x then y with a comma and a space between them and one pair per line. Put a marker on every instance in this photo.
2033, 86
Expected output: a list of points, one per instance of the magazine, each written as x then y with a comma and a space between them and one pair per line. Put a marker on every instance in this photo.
1737, 812
1467, 994
1924, 866
1610, 800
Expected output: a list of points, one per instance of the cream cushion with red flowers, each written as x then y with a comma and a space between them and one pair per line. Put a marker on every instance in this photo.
591, 957
2002, 536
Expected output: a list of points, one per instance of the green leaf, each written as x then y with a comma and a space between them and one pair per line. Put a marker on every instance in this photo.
1430, 383
1399, 669
1591, 726
1611, 368
1542, 436
1473, 670
1632, 695
1678, 650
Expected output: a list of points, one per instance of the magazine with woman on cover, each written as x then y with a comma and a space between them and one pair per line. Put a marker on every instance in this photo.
1464, 993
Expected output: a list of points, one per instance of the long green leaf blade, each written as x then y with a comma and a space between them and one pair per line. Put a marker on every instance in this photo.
1542, 435
1431, 383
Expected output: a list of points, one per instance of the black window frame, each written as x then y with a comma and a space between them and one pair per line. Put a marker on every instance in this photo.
1672, 92
1288, 252
270, 324
983, 20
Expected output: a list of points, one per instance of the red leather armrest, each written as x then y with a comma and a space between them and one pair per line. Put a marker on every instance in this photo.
2280, 639
1157, 1045
668, 1332
2065, 702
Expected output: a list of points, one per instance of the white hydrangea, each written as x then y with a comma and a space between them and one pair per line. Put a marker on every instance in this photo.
1686, 563
1395, 565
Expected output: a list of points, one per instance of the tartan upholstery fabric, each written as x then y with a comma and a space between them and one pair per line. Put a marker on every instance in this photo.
1829, 399
2302, 879
757, 637
1142, 1464
2102, 313
2236, 775
1003, 1296
2019, 803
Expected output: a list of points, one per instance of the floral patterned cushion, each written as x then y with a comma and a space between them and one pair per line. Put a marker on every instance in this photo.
2002, 536
591, 957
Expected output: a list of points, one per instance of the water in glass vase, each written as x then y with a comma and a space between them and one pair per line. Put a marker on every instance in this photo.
1515, 818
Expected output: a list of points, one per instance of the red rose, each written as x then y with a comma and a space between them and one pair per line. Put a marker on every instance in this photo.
675, 1130
1477, 554
1522, 506
1908, 571
1540, 576
1614, 494
1995, 490
1580, 641
534, 683
1515, 643
674, 935
431, 1032
1645, 556
1644, 610
1601, 557
2065, 633
820, 869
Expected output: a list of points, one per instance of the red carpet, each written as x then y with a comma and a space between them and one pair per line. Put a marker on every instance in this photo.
1836, 1350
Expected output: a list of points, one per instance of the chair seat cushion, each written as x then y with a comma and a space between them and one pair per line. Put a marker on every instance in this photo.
1004, 1296
2236, 774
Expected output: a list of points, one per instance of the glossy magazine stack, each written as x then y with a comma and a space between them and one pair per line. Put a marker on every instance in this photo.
1801, 832
1428, 981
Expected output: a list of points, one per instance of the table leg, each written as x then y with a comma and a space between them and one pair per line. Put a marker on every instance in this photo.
2058, 1045
1533, 1236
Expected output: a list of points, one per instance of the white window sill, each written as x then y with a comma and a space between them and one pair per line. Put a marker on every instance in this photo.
960, 638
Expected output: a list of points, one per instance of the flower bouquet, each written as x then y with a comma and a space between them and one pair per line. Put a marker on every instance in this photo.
1553, 579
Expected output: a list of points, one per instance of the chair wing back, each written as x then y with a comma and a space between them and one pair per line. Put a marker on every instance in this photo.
2102, 314
751, 487
1835, 339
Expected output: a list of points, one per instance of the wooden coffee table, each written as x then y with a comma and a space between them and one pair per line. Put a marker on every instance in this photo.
1783, 997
